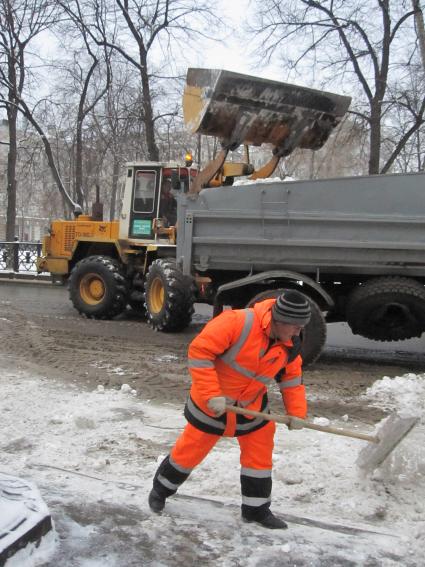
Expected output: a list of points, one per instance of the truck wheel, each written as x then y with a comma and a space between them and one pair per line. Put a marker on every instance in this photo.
98, 288
169, 296
387, 309
313, 336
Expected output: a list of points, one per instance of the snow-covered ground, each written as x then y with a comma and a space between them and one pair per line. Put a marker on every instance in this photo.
93, 454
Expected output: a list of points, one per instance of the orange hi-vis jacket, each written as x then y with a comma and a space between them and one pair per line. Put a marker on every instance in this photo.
234, 357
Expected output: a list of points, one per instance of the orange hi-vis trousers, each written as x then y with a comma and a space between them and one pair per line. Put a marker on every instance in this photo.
194, 445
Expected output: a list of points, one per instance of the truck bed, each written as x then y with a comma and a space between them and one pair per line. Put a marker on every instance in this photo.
370, 225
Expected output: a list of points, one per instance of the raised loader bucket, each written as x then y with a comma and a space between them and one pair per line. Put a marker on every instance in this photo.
240, 109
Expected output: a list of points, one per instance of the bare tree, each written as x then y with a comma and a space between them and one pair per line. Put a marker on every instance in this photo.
142, 33
31, 115
363, 44
116, 127
21, 21
399, 146
91, 80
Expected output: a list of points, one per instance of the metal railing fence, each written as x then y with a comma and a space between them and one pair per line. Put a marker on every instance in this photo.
19, 256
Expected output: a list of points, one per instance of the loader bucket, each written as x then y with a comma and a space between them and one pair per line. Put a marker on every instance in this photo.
240, 109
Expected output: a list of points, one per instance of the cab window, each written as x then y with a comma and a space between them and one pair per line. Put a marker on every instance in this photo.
144, 192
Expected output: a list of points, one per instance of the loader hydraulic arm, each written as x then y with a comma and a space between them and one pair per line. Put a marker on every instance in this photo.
209, 172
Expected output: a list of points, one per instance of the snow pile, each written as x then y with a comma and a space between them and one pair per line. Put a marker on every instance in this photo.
402, 393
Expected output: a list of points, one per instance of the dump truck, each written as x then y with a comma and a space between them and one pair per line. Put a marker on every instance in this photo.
354, 246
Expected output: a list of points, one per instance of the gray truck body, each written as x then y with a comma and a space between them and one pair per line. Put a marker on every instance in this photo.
372, 225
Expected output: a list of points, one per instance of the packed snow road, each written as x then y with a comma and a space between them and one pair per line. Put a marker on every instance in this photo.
89, 407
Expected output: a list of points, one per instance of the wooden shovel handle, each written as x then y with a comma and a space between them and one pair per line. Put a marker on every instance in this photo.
307, 424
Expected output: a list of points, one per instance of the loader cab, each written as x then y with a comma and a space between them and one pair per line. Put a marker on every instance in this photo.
149, 209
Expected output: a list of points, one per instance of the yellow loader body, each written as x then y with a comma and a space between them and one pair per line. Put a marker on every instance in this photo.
59, 245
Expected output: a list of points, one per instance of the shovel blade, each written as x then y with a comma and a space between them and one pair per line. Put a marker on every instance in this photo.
392, 431
241, 109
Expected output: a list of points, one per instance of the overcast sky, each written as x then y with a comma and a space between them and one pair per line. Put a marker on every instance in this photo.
236, 52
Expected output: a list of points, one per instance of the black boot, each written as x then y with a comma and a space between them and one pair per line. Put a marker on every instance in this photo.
268, 520
156, 501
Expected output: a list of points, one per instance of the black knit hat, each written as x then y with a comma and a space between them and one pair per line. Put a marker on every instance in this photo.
292, 308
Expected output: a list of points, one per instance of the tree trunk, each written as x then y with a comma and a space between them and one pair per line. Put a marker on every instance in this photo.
82, 113
375, 139
115, 177
149, 123
11, 175
49, 154
420, 30
79, 163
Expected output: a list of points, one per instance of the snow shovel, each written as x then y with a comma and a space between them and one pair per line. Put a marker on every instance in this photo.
391, 432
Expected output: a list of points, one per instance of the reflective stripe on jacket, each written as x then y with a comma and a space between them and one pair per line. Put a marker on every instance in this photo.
233, 357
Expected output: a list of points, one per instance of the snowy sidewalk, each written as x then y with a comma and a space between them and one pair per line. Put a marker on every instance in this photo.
92, 456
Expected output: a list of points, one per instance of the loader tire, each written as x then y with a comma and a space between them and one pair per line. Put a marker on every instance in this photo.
313, 336
387, 309
98, 288
169, 296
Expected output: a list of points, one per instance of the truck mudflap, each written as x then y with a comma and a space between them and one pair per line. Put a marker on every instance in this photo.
241, 109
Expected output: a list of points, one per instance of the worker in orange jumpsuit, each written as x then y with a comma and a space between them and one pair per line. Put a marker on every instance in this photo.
232, 361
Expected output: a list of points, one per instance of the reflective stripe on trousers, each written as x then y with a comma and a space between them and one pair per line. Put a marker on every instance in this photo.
169, 476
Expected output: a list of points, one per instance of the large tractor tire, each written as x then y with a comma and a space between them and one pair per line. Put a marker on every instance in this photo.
387, 309
313, 336
98, 287
169, 296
